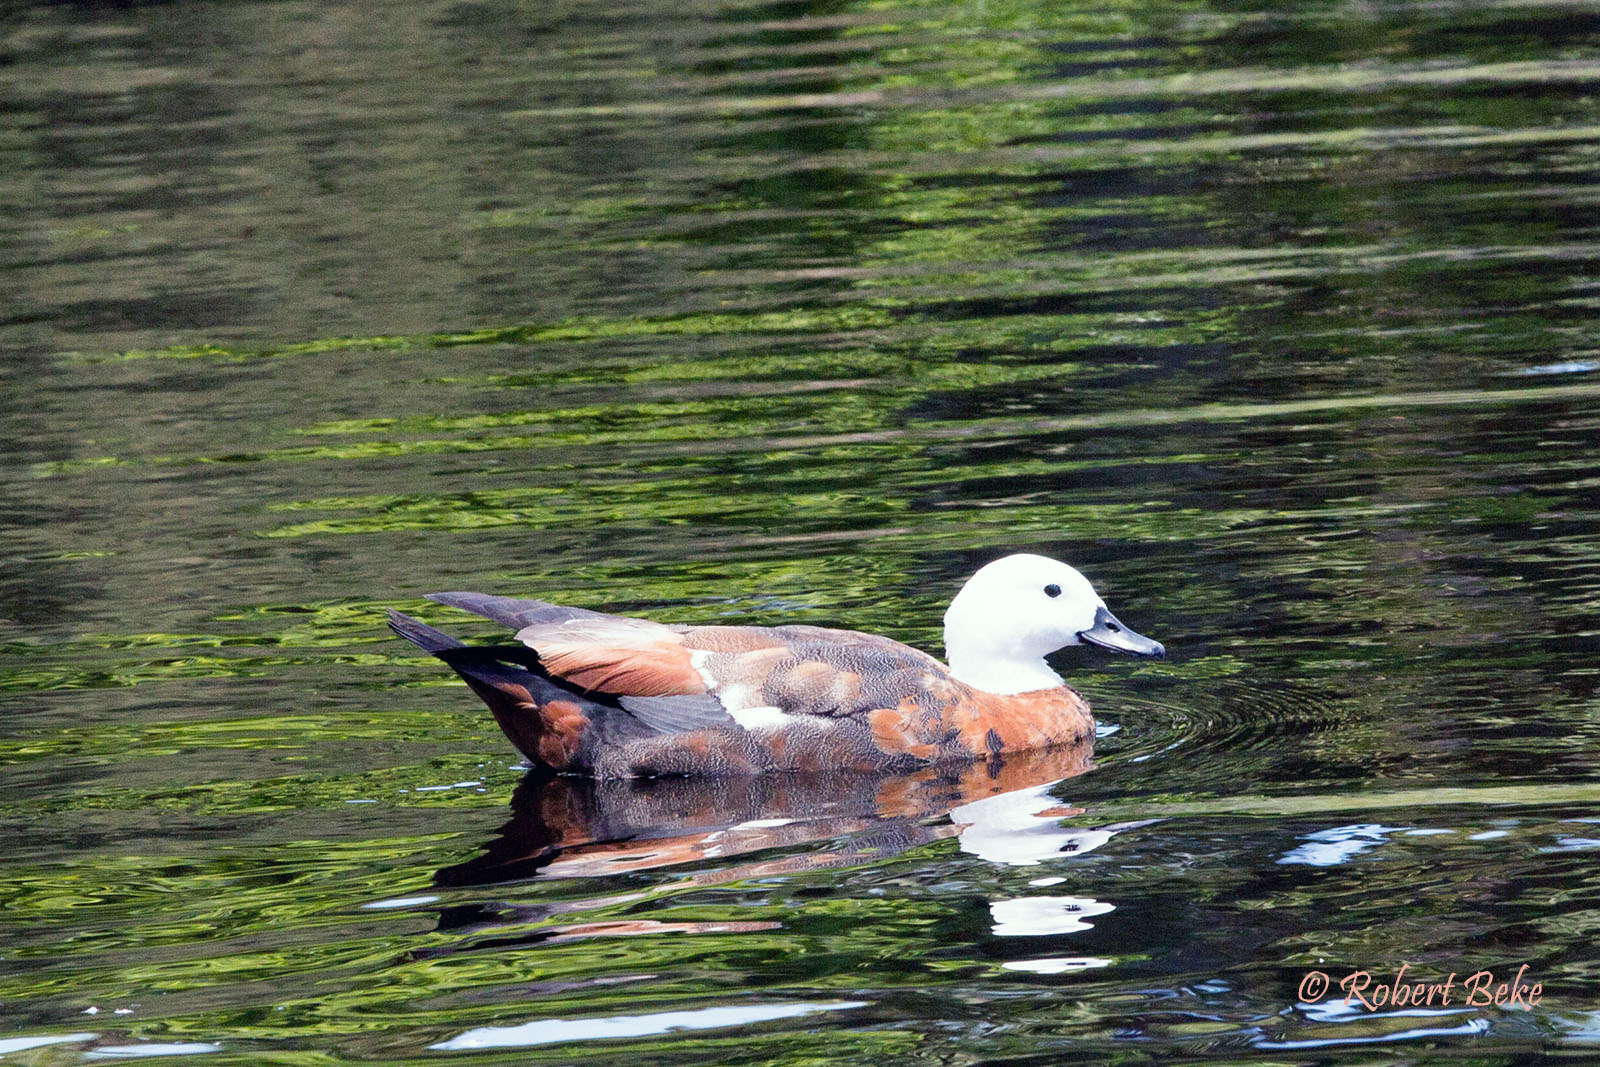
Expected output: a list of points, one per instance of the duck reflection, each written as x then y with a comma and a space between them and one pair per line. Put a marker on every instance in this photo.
1002, 811
725, 830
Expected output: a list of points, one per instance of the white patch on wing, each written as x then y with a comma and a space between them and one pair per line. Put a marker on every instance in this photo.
697, 660
736, 696
763, 718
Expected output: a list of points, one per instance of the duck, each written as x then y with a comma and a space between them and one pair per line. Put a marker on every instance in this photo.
582, 692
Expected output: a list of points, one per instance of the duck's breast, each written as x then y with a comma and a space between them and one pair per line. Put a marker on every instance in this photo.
990, 724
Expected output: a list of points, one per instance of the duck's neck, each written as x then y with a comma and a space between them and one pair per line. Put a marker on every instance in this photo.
993, 671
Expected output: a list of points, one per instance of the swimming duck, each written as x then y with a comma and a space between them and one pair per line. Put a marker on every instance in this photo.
614, 697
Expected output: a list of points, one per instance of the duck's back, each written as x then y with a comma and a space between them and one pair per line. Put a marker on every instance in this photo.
621, 697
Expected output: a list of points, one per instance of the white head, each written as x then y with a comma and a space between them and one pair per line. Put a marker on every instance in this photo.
1015, 611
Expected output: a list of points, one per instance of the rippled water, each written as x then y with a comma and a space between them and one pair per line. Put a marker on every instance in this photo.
1281, 324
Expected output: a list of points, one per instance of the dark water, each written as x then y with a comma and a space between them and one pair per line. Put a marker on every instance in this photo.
1282, 324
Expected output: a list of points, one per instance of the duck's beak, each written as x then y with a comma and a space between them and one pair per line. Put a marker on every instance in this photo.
1112, 636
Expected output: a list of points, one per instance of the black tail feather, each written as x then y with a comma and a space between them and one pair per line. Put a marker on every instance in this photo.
510, 680
421, 634
455, 652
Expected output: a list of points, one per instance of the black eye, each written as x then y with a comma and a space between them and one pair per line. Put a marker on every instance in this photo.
1052, 589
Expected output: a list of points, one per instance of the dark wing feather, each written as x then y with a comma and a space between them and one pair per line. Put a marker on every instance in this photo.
420, 633
678, 714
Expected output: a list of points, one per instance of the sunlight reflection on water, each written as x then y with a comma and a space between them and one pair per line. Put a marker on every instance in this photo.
551, 1031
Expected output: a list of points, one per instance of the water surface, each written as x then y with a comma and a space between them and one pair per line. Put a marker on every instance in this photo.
1278, 322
